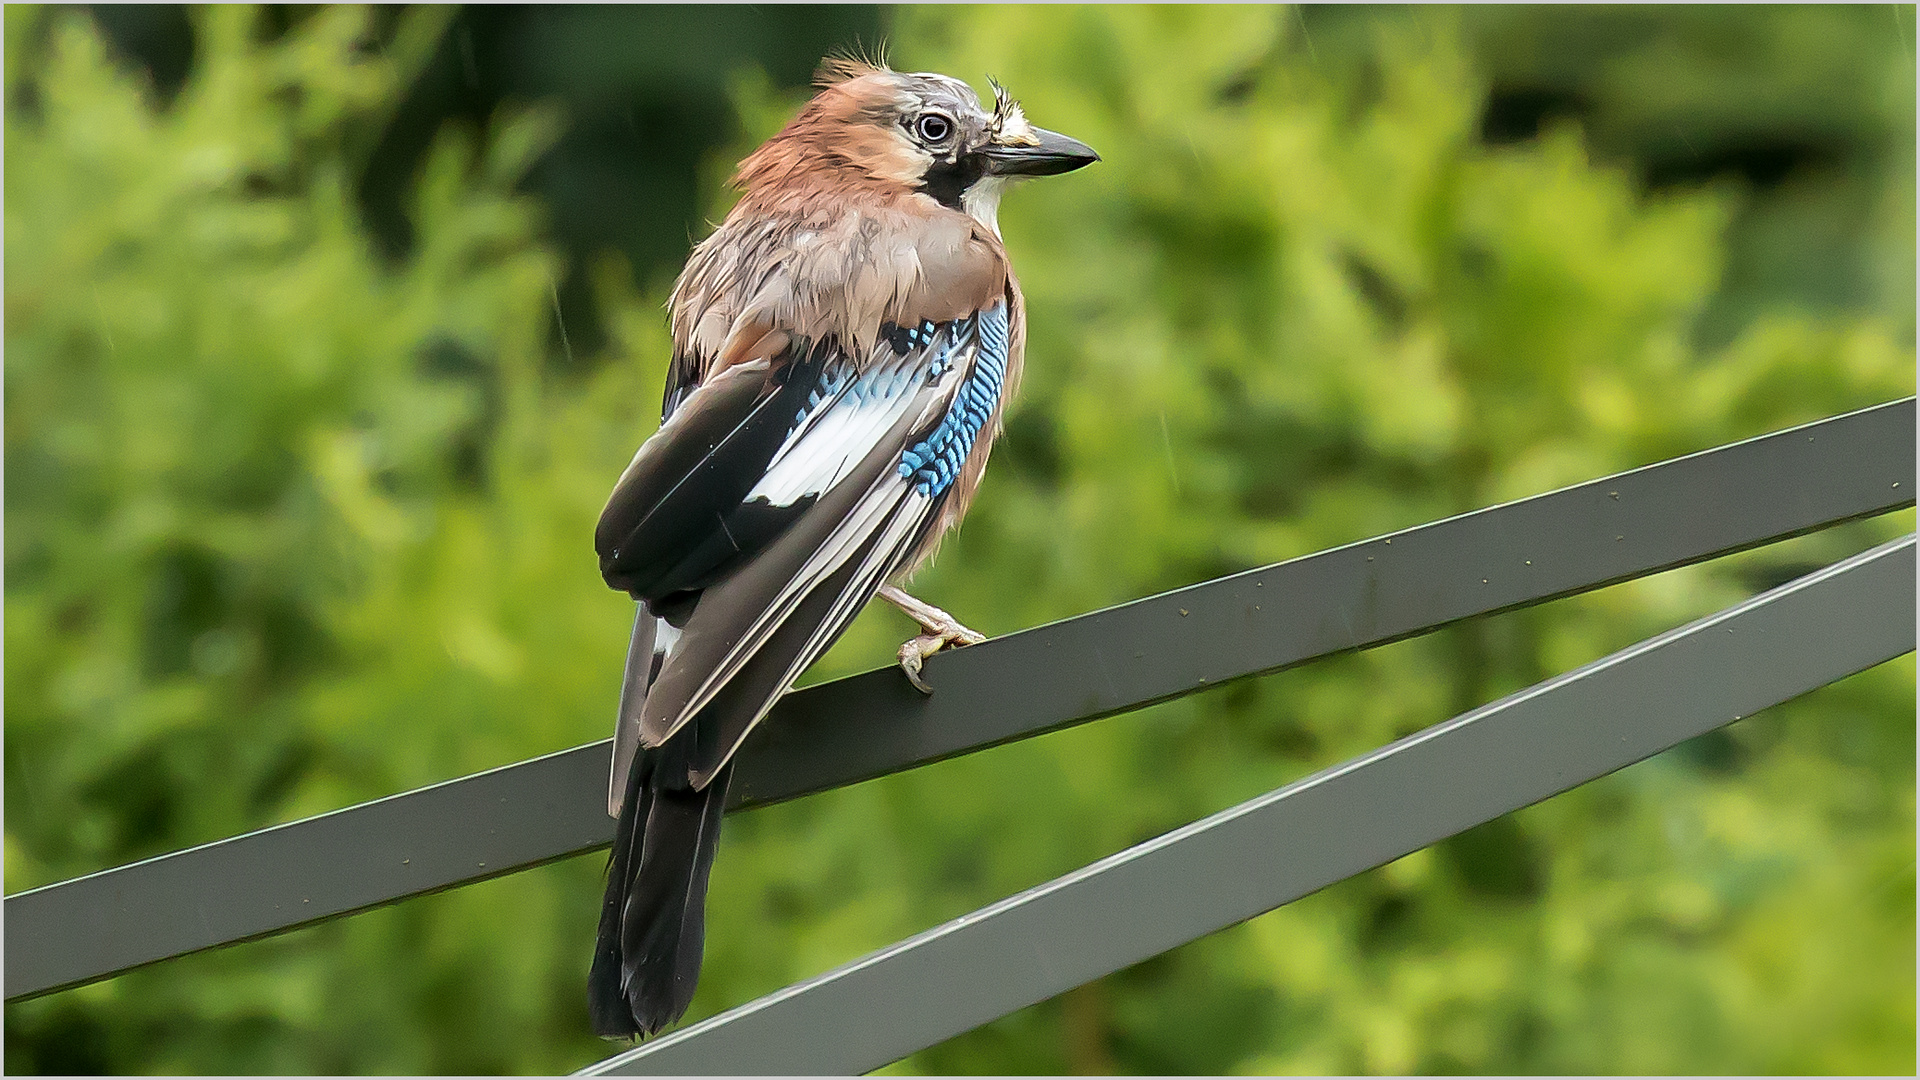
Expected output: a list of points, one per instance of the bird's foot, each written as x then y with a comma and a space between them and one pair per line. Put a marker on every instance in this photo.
941, 629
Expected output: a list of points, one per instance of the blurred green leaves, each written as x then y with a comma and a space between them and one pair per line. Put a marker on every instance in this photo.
283, 525
290, 527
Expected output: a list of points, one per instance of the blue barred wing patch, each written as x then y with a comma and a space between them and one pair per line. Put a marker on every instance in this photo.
849, 409
934, 462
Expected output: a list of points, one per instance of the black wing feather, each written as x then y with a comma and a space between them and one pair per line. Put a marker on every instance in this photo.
683, 441
667, 527
643, 663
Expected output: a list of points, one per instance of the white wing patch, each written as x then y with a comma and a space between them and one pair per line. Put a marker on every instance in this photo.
665, 637
843, 421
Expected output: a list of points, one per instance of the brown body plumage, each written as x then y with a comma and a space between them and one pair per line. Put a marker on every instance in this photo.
846, 343
833, 238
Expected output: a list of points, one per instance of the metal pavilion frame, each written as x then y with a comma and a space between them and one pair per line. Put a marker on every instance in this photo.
1224, 869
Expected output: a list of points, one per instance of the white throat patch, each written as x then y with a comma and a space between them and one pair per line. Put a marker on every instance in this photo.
981, 200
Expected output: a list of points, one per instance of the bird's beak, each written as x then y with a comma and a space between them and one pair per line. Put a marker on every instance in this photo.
1051, 153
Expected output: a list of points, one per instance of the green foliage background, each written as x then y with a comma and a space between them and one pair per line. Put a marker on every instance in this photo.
291, 525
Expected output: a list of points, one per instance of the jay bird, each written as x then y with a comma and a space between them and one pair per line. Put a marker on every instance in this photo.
845, 345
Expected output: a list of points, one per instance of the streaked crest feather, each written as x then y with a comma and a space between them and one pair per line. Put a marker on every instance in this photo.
849, 63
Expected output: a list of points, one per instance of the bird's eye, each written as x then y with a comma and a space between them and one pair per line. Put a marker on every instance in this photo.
935, 128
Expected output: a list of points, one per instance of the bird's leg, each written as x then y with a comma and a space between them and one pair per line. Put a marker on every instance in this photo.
941, 629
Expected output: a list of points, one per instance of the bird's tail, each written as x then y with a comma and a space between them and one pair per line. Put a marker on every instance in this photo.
646, 961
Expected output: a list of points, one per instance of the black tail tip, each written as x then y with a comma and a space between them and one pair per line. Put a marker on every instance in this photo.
644, 1016
612, 1019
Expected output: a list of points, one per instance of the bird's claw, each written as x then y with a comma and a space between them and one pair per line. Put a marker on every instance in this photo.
915, 652
941, 629
910, 661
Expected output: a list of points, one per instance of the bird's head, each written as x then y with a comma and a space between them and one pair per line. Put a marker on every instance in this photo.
906, 134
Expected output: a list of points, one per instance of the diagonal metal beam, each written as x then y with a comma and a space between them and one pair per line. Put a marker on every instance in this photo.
1685, 510
1370, 593
1284, 845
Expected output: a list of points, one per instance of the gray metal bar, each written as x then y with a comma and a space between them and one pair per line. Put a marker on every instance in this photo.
1365, 594
1362, 595
267, 882
1305, 836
